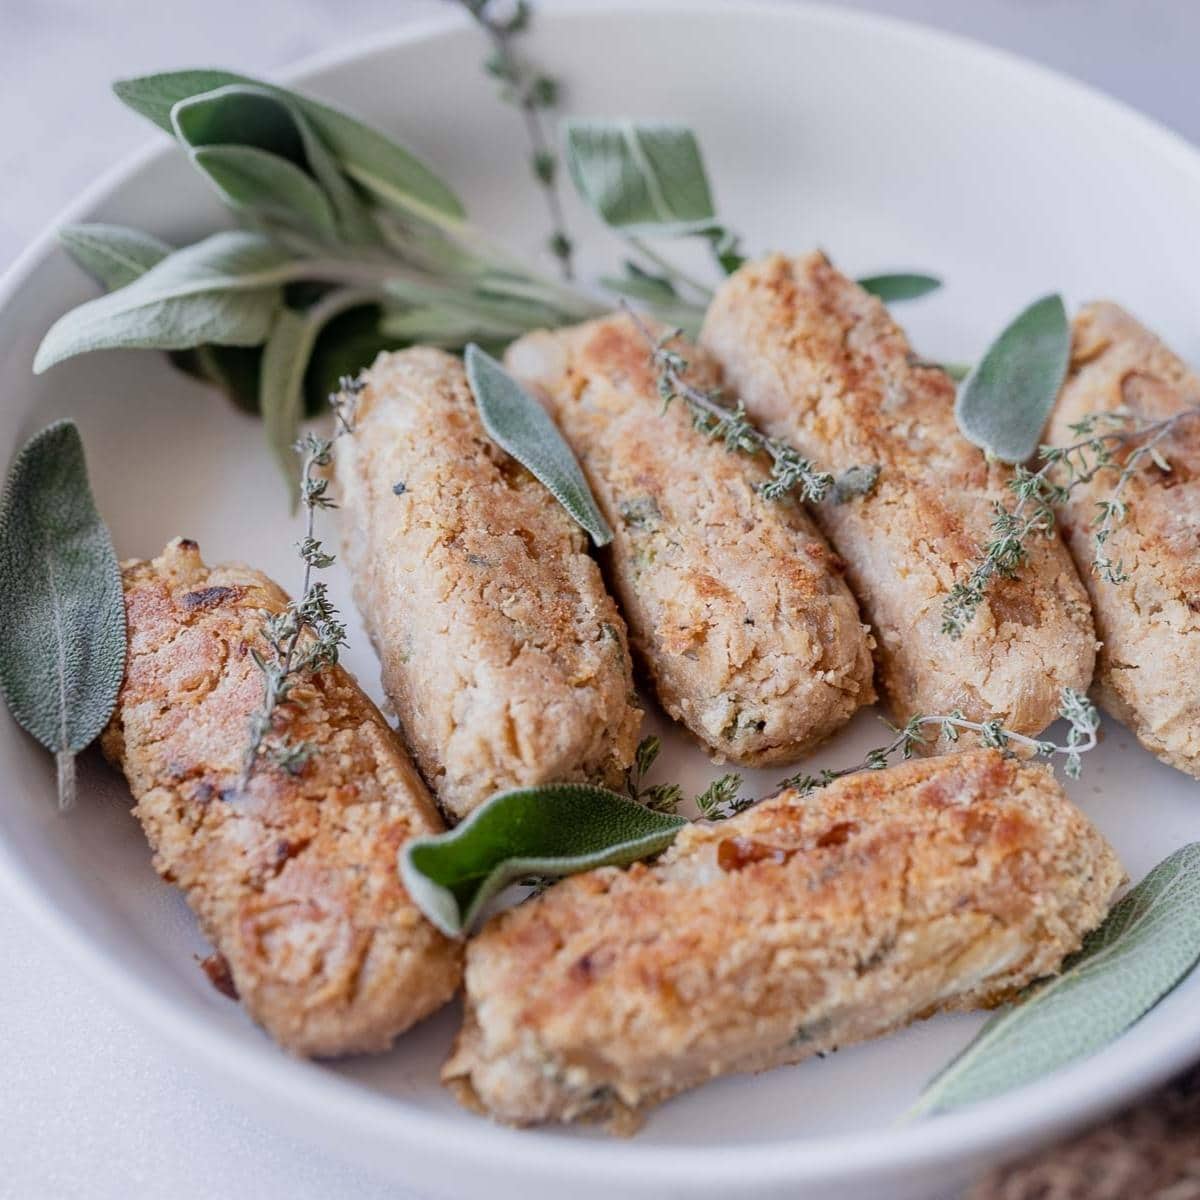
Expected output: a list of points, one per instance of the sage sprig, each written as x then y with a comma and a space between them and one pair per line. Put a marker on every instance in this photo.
62, 641
552, 830
225, 289
336, 219
517, 423
1147, 944
350, 244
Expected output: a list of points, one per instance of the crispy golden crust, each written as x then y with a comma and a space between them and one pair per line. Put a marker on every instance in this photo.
801, 925
818, 361
1148, 673
294, 882
734, 603
503, 654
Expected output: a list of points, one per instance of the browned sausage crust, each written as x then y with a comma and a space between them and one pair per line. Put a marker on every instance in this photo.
1148, 673
734, 603
504, 656
801, 925
819, 362
294, 882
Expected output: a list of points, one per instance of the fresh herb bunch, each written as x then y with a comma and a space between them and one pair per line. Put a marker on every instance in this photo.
1074, 708
350, 244
790, 471
1039, 493
532, 92
307, 635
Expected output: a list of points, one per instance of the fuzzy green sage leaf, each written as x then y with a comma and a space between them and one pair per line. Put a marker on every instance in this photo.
62, 640
1147, 944
224, 289
552, 830
385, 169
892, 289
1003, 403
516, 422
641, 178
112, 255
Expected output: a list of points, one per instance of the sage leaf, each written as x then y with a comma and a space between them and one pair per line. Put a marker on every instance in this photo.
1003, 403
224, 289
112, 254
1147, 944
892, 289
250, 117
386, 169
641, 178
555, 829
285, 359
517, 423
62, 640
253, 180
153, 96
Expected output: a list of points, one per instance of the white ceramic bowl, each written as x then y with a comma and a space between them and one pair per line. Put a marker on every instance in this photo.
887, 145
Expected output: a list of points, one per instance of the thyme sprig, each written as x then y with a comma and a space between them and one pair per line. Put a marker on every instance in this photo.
721, 799
717, 802
1074, 707
532, 92
307, 635
661, 797
790, 471
1039, 493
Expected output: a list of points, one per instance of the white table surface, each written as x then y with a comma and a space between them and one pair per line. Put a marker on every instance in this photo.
92, 1105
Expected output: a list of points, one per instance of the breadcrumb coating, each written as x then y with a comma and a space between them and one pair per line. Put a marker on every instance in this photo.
803, 924
505, 658
735, 604
818, 362
294, 881
1148, 672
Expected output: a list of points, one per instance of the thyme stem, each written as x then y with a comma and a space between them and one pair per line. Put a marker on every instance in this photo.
1074, 708
530, 94
307, 634
789, 470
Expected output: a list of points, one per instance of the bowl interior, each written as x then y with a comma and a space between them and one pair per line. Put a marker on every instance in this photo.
887, 147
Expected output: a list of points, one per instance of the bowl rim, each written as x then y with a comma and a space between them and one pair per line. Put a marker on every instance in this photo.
1031, 1114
